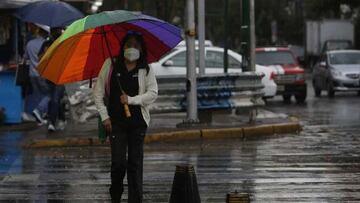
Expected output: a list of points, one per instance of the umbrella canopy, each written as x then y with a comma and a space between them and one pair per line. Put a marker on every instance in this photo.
79, 53
50, 13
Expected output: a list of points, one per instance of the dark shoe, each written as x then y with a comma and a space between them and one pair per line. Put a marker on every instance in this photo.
115, 196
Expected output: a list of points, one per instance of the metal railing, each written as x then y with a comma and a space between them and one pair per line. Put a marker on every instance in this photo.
215, 92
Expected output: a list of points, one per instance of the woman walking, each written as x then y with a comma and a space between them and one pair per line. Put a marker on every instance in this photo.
126, 80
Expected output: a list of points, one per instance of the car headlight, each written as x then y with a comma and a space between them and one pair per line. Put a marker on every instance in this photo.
300, 77
336, 73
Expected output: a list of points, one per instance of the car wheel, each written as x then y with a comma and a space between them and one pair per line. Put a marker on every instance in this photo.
300, 98
330, 90
287, 98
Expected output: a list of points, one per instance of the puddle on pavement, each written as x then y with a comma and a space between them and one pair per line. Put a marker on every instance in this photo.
10, 153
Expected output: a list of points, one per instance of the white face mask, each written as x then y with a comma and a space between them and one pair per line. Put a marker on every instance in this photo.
132, 54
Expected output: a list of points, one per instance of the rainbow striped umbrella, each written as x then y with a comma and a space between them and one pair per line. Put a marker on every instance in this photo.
78, 54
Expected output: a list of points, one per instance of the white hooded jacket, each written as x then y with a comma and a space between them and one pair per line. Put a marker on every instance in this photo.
148, 91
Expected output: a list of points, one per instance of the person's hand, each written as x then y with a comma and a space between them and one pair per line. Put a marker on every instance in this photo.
124, 99
107, 125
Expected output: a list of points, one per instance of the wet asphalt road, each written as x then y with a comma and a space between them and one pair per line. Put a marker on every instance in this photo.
321, 164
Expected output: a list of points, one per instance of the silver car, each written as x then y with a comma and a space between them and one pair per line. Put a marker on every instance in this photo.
337, 70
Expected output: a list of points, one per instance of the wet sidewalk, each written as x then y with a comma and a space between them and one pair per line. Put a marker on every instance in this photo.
165, 127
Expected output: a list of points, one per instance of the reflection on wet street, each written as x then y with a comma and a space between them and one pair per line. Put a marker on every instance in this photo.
343, 109
321, 164
10, 153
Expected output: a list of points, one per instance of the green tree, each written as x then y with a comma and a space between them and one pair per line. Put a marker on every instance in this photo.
287, 17
320, 9
335, 9
290, 16
163, 9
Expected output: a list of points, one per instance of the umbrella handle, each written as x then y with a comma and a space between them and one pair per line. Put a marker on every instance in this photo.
127, 111
126, 107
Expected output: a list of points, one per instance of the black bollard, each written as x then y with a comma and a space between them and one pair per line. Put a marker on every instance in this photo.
236, 197
185, 188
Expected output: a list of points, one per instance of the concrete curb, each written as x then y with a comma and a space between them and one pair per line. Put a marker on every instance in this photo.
222, 133
216, 133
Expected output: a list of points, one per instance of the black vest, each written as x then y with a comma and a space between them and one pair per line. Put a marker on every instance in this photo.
130, 84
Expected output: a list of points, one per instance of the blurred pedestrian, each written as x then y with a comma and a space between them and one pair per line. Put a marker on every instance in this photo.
38, 84
56, 109
130, 81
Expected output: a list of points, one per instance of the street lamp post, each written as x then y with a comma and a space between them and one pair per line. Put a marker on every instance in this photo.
191, 87
253, 112
226, 35
245, 33
126, 4
248, 41
252, 35
201, 35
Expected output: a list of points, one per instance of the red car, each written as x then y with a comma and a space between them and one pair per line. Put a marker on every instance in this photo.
288, 74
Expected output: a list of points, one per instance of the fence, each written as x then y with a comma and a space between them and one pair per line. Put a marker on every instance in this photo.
215, 92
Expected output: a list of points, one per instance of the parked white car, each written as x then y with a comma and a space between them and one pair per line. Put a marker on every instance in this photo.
174, 63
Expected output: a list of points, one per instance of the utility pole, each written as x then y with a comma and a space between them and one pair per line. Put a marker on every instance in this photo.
126, 5
201, 35
142, 6
248, 41
191, 87
245, 34
253, 111
226, 35
252, 35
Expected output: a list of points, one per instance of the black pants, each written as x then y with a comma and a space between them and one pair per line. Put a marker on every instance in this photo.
127, 138
56, 109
